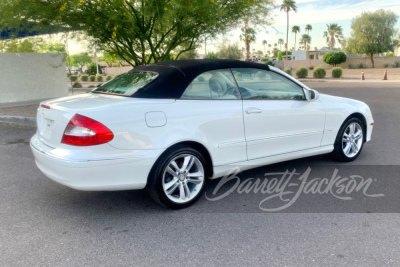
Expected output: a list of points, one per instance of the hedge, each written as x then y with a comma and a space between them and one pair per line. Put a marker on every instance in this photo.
288, 71
84, 77
108, 78
302, 72
319, 72
73, 78
337, 72
92, 78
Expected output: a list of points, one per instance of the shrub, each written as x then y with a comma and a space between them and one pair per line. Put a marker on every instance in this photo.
73, 78
288, 71
311, 68
84, 77
361, 66
264, 59
319, 72
270, 63
396, 64
390, 54
108, 78
92, 78
99, 78
68, 74
386, 65
91, 86
279, 56
337, 72
201, 78
334, 58
92, 68
211, 55
77, 85
302, 72
350, 66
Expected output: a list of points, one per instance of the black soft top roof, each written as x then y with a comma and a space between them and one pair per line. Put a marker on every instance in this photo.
175, 76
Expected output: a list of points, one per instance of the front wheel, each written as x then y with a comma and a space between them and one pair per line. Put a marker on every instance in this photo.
349, 141
178, 178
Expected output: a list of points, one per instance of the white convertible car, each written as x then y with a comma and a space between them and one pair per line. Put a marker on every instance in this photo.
170, 126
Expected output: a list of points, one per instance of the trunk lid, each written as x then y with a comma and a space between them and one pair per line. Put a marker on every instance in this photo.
51, 123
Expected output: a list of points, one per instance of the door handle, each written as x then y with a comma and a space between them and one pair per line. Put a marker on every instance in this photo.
253, 110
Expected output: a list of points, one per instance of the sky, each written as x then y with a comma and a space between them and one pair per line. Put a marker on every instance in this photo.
318, 13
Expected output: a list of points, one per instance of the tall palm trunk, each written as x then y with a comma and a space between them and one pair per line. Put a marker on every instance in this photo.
331, 43
295, 35
287, 34
247, 45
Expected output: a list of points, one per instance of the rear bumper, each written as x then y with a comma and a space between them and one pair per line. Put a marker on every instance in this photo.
117, 172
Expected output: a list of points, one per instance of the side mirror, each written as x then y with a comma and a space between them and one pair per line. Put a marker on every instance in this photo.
311, 94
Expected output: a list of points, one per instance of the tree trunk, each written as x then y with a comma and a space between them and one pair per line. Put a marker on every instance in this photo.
295, 35
247, 44
372, 60
205, 45
287, 36
331, 45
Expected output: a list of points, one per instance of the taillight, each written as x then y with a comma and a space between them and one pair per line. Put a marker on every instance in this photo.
45, 106
84, 131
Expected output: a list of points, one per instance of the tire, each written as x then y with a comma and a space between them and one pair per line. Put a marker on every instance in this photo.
174, 186
350, 149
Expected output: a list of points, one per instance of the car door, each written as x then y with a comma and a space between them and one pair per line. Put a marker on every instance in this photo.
278, 119
211, 108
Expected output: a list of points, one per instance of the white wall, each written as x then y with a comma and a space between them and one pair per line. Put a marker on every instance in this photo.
32, 76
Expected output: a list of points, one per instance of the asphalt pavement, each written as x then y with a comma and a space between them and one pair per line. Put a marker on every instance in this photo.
47, 224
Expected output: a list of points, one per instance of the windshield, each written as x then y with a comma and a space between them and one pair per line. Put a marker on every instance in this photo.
126, 84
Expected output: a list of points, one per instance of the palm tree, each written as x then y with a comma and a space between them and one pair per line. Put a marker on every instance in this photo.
248, 36
295, 30
280, 42
269, 49
333, 32
275, 44
287, 6
308, 28
306, 40
264, 43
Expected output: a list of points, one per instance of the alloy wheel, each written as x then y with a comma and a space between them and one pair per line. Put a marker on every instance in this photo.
183, 178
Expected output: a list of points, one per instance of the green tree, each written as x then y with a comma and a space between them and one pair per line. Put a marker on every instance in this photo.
81, 59
287, 6
280, 43
295, 30
230, 51
334, 58
143, 31
373, 33
54, 48
306, 40
192, 54
308, 28
334, 32
264, 42
211, 55
109, 58
92, 68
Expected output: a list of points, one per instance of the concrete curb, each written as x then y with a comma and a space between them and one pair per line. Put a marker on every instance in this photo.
18, 119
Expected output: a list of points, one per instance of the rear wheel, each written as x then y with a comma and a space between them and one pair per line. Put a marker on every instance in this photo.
350, 140
178, 178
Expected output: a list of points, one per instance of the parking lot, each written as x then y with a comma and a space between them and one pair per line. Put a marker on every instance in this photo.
47, 224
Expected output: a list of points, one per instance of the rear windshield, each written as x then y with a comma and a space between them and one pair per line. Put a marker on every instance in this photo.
126, 84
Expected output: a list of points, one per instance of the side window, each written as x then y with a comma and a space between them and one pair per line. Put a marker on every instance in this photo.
263, 84
216, 84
